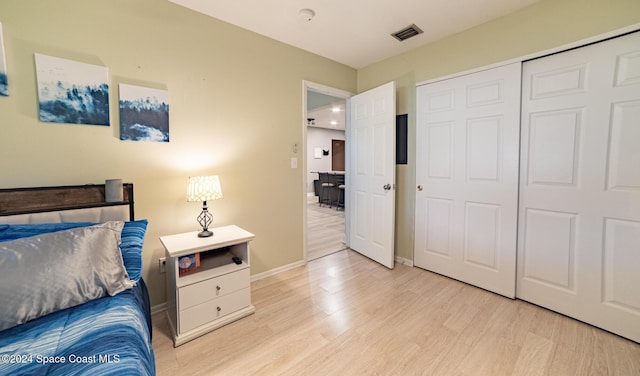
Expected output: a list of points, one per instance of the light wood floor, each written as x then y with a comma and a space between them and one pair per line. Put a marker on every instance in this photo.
346, 315
325, 229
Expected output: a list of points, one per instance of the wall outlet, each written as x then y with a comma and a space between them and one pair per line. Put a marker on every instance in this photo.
162, 265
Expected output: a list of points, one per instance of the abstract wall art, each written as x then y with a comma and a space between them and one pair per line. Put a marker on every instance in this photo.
4, 84
144, 114
71, 91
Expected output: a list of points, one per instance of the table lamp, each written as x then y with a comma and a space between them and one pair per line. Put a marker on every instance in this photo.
204, 188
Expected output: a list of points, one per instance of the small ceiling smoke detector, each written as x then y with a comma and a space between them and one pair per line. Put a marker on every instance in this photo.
306, 14
407, 32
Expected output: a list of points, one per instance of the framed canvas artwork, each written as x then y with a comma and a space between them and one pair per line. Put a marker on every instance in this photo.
71, 91
144, 114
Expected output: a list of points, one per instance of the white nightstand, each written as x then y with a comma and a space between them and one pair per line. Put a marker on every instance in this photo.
215, 294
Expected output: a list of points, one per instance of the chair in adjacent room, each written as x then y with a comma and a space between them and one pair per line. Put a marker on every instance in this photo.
340, 191
326, 189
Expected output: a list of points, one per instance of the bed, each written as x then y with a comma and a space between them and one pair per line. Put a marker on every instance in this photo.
72, 300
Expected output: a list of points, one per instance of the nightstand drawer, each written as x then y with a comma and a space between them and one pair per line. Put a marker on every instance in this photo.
214, 309
198, 293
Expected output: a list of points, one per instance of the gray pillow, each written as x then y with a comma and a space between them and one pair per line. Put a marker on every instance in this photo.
49, 272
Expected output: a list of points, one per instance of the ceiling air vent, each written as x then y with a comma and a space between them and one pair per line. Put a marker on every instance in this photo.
407, 32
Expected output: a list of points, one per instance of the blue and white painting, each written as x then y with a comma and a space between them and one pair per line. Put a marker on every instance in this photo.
144, 114
4, 84
72, 92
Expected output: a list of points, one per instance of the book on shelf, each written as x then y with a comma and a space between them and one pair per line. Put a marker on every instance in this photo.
188, 263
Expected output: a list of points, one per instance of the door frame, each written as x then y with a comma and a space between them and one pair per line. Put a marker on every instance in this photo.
338, 93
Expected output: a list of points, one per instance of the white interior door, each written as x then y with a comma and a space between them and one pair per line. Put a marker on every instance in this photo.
579, 234
371, 178
467, 175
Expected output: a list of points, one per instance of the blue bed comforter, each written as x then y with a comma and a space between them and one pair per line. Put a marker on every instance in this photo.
106, 336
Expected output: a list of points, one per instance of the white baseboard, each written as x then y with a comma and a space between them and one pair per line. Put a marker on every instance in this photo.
402, 260
159, 308
275, 271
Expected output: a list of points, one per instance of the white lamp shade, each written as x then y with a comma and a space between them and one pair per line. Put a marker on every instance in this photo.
203, 188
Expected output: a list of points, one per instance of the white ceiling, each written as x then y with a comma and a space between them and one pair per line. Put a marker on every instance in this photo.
355, 32
331, 116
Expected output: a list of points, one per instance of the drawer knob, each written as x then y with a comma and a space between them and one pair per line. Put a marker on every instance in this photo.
219, 309
217, 288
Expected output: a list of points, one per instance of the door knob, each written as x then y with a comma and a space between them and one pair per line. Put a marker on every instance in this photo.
420, 188
387, 187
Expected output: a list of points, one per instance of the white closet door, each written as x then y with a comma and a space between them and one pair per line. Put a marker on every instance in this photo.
467, 177
579, 231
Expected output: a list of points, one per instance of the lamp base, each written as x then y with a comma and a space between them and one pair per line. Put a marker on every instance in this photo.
205, 234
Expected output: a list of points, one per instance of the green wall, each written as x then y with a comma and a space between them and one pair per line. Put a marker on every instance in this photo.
545, 25
235, 108
235, 111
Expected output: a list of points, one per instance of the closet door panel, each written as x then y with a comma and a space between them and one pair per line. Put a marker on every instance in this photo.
467, 140
579, 210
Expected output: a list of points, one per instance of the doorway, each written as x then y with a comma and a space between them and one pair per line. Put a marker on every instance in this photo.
325, 117
369, 194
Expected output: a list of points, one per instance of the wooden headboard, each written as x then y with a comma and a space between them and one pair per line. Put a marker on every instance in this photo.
74, 200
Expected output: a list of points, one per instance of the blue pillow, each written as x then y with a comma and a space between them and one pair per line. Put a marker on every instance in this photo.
131, 246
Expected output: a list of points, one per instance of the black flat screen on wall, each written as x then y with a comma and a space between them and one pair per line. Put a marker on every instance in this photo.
401, 139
